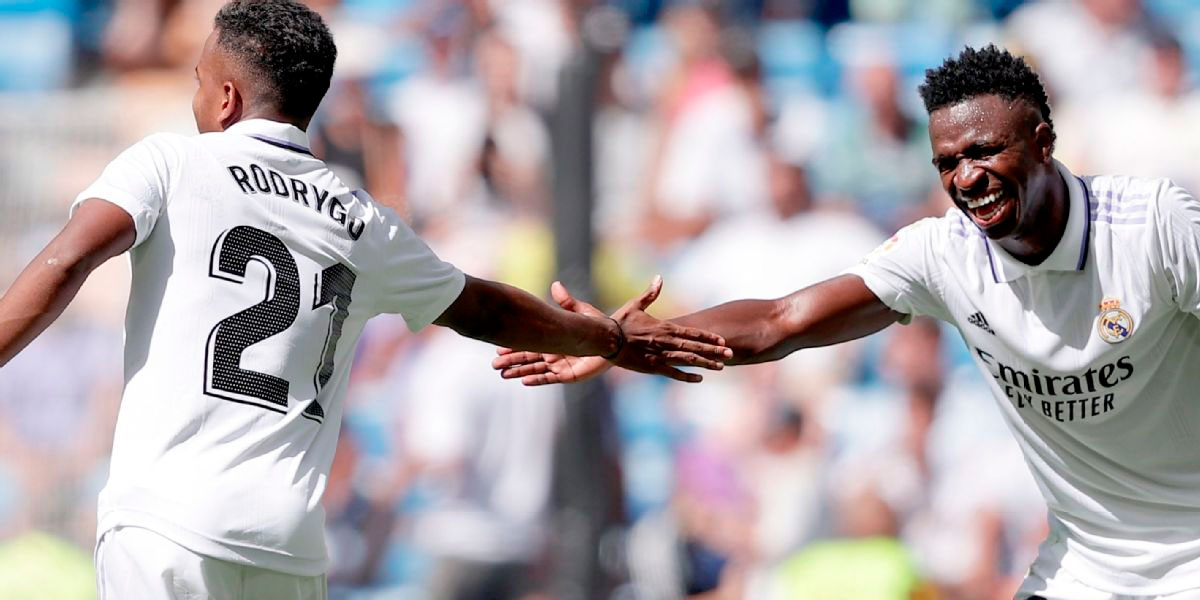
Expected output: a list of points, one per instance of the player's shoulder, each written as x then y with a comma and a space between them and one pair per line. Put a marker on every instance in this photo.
382, 223
167, 141
163, 152
952, 227
929, 234
1133, 200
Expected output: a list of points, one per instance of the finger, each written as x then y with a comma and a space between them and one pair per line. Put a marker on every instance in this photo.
503, 351
699, 335
524, 370
516, 358
709, 351
651, 294
542, 379
695, 360
559, 292
678, 375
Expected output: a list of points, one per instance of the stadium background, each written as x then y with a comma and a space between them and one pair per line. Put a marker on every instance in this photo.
741, 148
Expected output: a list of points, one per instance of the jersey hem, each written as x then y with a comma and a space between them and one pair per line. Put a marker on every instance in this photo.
207, 546
121, 199
436, 309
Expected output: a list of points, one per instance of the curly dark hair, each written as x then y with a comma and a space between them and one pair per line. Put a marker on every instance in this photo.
990, 70
285, 45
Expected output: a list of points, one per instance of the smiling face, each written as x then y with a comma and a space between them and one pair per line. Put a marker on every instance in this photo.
994, 159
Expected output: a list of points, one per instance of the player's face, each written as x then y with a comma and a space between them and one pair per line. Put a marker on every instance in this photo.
212, 102
994, 158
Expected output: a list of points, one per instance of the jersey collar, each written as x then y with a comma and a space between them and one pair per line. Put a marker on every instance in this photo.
282, 135
1071, 252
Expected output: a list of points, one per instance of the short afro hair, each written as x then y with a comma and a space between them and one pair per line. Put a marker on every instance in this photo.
285, 46
989, 71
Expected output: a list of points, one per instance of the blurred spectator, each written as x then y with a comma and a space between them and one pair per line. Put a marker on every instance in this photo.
708, 162
1138, 135
789, 244
363, 151
487, 449
360, 515
513, 156
1085, 49
876, 156
442, 116
927, 446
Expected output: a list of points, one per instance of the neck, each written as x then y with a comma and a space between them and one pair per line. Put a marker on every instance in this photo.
1047, 224
270, 115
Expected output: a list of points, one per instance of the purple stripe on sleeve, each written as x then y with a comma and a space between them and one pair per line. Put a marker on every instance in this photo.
1120, 209
1112, 220
1128, 196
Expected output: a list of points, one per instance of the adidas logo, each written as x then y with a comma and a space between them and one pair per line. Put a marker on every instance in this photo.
980, 321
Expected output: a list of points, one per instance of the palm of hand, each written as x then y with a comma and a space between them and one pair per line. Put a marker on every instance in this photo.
651, 346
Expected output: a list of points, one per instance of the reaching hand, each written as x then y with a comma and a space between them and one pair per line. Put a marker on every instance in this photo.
651, 346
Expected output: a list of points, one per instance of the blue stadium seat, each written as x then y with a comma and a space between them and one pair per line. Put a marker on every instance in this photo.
793, 56
35, 50
374, 11
68, 8
1172, 10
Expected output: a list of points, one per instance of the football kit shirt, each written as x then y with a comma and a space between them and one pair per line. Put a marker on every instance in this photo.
1094, 358
254, 271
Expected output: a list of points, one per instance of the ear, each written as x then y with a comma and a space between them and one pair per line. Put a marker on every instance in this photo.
1043, 136
232, 105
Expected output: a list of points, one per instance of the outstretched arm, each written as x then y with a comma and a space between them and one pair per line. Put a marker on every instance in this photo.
96, 232
830, 312
506, 316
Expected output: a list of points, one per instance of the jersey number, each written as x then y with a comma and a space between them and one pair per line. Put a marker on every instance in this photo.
223, 375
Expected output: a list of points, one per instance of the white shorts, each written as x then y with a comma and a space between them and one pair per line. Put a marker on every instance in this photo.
1053, 583
133, 562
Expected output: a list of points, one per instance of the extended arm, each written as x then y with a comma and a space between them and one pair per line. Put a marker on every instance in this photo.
830, 312
97, 231
504, 315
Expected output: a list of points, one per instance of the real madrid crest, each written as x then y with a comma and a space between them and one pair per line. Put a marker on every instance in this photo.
1115, 324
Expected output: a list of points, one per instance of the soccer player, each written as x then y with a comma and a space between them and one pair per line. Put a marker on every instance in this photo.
254, 271
1078, 298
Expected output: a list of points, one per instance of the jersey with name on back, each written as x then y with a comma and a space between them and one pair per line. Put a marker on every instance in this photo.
254, 272
1094, 358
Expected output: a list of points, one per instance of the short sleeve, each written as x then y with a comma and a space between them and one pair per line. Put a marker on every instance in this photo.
414, 282
1178, 230
139, 181
903, 271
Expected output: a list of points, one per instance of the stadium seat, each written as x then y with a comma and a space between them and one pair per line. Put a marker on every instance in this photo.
793, 56
35, 50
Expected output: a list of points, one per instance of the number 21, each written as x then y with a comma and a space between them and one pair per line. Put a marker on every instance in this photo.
223, 375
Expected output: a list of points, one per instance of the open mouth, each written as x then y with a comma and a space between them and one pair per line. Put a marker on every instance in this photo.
989, 209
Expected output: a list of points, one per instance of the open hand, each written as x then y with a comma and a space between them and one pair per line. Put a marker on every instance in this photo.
651, 346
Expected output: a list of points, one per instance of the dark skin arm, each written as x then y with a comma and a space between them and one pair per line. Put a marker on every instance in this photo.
504, 315
833, 311
96, 232
830, 312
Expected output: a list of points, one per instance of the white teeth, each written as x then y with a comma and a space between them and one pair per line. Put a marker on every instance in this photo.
984, 201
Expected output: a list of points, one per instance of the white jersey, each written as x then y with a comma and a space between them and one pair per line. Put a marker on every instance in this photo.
254, 270
1094, 357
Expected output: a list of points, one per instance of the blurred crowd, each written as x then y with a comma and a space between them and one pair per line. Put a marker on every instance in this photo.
742, 148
